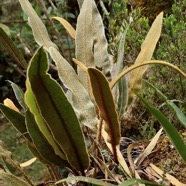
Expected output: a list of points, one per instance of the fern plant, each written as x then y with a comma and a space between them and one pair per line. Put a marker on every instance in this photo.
55, 122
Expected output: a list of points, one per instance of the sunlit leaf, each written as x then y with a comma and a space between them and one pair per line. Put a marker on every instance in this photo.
91, 43
5, 28
67, 26
28, 163
9, 103
147, 49
81, 102
84, 42
42, 124
101, 56
136, 66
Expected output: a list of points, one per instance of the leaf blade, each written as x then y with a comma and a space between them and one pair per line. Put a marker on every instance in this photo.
41, 143
42, 125
105, 102
16, 119
67, 26
12, 49
84, 42
60, 117
147, 49
19, 94
10, 179
38, 28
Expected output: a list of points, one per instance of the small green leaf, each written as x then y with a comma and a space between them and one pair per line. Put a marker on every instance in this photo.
11, 180
41, 143
12, 49
17, 120
19, 95
169, 129
104, 99
57, 112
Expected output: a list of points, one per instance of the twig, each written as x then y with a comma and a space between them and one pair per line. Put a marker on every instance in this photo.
17, 69
27, 48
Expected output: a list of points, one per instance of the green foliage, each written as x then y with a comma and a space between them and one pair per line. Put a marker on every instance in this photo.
171, 48
56, 121
169, 129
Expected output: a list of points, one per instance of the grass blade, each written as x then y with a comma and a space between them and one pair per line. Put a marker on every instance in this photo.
168, 127
179, 113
